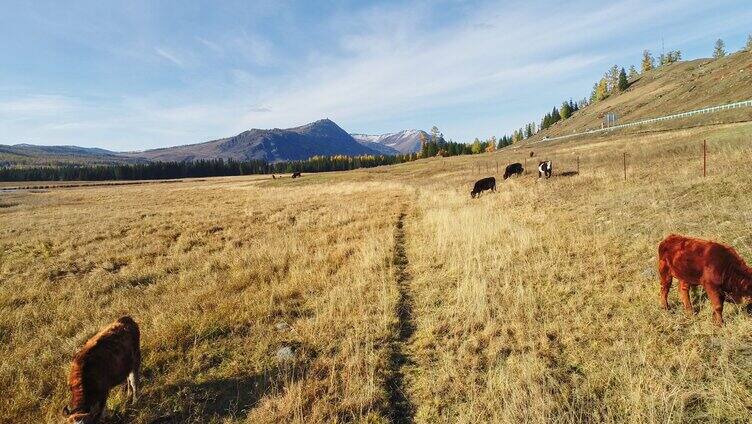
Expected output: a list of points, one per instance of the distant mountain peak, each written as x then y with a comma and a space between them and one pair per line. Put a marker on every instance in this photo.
318, 138
405, 141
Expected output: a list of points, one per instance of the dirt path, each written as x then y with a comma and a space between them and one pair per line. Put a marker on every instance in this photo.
401, 409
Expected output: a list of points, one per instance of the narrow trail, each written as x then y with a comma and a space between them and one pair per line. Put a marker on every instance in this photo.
401, 410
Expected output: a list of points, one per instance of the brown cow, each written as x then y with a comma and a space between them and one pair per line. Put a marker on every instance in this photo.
716, 267
108, 359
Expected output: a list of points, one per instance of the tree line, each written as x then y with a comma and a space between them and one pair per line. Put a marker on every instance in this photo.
199, 168
435, 145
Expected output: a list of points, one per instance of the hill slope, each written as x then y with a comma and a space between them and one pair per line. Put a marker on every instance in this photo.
28, 154
674, 88
322, 137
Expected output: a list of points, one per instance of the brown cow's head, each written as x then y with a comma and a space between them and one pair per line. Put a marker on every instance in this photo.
81, 417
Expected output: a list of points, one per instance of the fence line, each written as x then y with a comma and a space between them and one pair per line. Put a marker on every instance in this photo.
712, 109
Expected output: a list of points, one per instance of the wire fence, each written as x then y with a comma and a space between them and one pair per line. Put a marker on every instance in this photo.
625, 163
712, 109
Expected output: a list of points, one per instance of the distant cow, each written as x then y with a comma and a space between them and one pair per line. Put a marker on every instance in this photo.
714, 266
111, 357
296, 174
532, 153
274, 177
513, 169
482, 185
545, 168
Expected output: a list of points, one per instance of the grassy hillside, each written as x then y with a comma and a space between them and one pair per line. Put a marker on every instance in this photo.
29, 155
536, 303
674, 88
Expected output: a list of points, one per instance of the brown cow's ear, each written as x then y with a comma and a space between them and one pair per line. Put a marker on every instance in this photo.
66, 410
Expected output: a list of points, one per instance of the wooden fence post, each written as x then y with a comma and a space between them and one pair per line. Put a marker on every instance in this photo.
625, 166
704, 158
578, 165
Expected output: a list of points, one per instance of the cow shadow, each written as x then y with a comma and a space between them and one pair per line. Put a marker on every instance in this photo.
216, 399
568, 174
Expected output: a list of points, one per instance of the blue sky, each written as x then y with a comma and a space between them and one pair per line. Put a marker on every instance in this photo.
136, 75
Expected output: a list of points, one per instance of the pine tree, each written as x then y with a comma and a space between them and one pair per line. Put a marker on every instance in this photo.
633, 74
623, 83
594, 93
670, 57
648, 63
555, 115
749, 43
719, 50
566, 110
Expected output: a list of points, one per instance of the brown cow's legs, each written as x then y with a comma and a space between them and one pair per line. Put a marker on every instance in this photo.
684, 294
666, 278
716, 299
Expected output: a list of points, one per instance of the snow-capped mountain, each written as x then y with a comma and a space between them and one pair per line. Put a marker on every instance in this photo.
406, 141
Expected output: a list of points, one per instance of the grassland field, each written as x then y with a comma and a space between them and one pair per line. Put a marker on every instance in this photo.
537, 303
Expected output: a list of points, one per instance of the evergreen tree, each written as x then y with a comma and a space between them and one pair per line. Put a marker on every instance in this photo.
633, 74
749, 43
719, 50
594, 93
623, 83
648, 63
670, 57
566, 110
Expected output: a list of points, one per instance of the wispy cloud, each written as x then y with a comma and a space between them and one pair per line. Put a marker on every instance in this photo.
473, 68
216, 48
169, 55
35, 105
393, 69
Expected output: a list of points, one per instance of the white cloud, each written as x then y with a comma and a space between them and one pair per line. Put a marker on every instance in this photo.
384, 64
169, 55
35, 105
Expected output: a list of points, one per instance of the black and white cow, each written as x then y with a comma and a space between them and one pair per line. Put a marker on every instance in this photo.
545, 168
482, 185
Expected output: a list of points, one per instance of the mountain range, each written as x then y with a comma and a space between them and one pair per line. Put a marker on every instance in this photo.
320, 138
406, 141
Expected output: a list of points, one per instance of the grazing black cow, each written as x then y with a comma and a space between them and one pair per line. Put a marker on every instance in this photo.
513, 169
488, 183
296, 174
274, 177
545, 168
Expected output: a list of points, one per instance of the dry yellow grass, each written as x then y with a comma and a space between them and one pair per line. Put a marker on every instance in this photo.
534, 304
